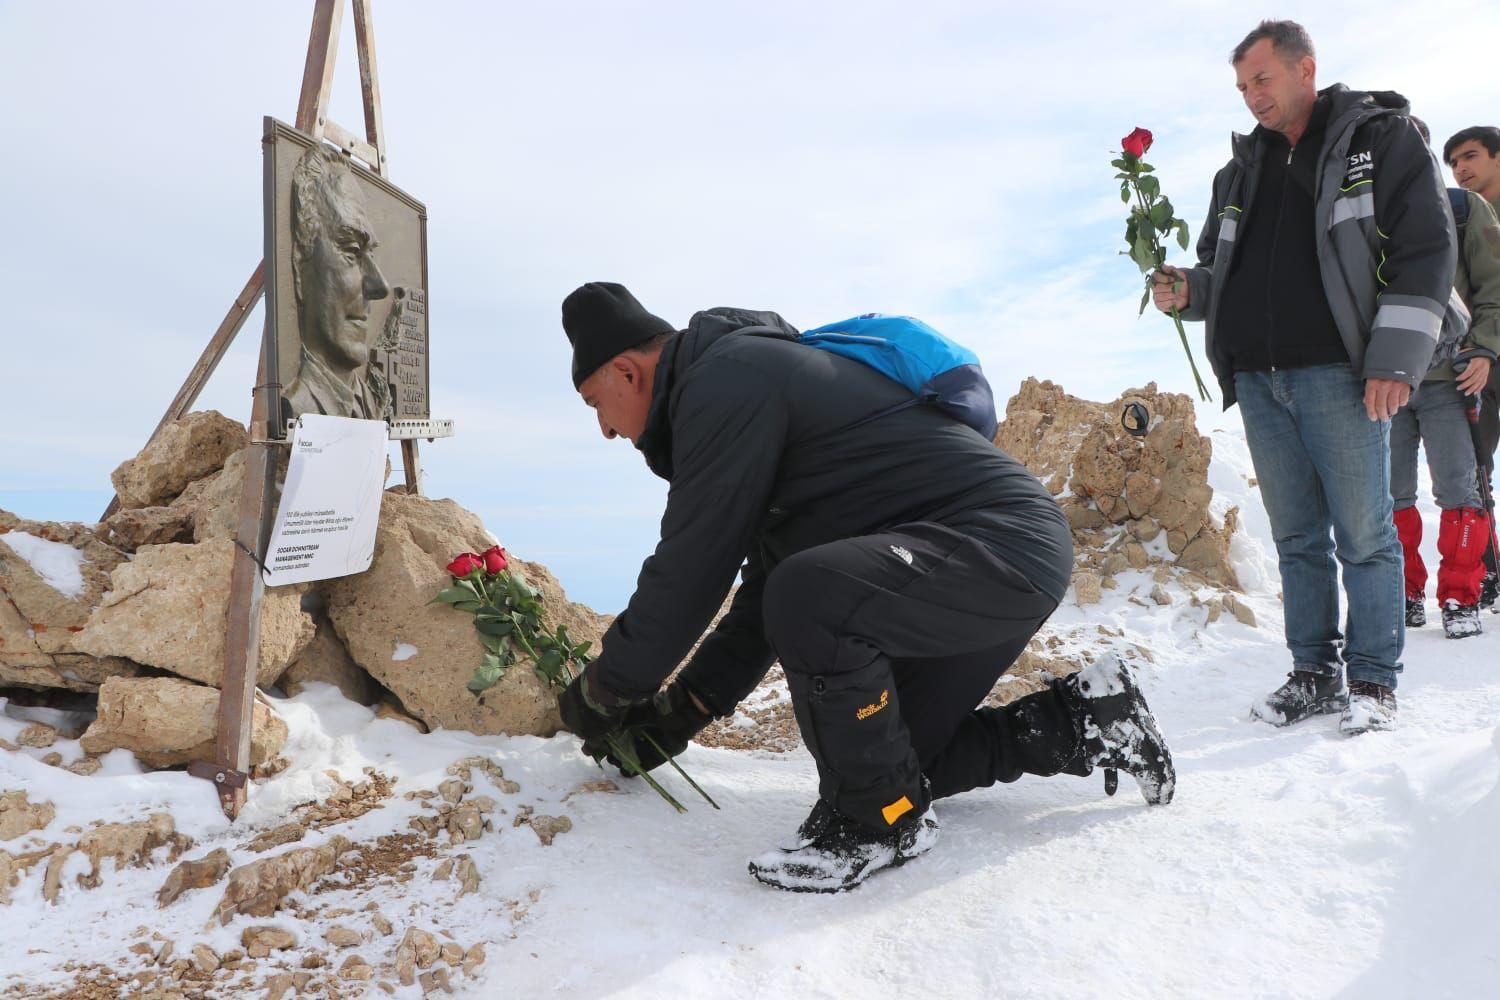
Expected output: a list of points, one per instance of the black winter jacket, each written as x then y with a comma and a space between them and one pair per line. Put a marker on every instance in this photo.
753, 432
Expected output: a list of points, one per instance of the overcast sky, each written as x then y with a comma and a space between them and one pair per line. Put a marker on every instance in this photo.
946, 160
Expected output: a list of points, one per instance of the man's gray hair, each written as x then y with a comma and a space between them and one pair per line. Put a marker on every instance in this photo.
314, 187
1290, 40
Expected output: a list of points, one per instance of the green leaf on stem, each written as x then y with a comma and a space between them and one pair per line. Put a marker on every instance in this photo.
1143, 252
452, 595
495, 627
1145, 298
487, 674
1182, 233
1161, 214
1150, 187
548, 664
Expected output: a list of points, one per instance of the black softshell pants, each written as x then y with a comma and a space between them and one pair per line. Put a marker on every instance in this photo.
889, 641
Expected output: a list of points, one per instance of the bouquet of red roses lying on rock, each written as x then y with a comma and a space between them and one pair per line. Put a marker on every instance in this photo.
508, 616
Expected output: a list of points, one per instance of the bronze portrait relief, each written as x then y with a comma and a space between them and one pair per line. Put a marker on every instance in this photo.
347, 288
335, 278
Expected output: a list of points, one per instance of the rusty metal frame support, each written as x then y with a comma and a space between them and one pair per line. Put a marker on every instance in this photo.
247, 586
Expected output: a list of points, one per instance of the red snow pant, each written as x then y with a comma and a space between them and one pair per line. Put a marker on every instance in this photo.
1462, 537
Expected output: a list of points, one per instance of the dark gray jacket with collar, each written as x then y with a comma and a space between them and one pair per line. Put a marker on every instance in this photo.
1387, 245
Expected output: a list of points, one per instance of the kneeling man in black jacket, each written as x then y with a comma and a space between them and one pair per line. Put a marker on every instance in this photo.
895, 566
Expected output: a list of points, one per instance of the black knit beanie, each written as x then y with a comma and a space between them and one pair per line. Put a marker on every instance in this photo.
602, 319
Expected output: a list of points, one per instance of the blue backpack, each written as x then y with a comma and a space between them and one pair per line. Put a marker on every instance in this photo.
938, 372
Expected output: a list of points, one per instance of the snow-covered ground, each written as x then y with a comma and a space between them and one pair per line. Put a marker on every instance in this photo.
1293, 862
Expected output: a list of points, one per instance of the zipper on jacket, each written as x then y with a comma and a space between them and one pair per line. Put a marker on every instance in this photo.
1276, 239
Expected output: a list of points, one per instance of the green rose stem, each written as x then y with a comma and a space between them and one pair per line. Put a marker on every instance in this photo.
677, 767
1150, 216
628, 757
507, 614
1160, 253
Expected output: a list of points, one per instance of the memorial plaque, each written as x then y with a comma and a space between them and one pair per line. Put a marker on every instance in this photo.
346, 286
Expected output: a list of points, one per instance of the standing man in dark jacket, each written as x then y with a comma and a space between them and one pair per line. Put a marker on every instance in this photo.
1323, 275
896, 566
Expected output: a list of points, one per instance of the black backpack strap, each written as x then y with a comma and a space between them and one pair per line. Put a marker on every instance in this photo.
1459, 199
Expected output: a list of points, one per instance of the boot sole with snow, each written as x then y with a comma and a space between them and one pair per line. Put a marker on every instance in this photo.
1323, 706
1372, 724
766, 870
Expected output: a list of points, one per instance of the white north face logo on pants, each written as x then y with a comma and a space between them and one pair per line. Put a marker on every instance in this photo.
905, 554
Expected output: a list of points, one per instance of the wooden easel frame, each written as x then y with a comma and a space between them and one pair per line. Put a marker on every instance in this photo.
230, 769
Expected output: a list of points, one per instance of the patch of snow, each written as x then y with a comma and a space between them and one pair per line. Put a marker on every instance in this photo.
57, 563
404, 651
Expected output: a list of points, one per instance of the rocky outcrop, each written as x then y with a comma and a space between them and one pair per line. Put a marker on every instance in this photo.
258, 888
326, 660
52, 575
198, 874
135, 527
185, 450
1123, 493
167, 722
425, 653
127, 844
167, 608
20, 816
216, 502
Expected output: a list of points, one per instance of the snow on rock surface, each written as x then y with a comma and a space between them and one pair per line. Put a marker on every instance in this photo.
59, 564
1293, 862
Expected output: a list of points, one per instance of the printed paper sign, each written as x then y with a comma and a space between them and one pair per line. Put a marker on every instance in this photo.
330, 505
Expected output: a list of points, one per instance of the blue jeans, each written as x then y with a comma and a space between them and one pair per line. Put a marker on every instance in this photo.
1324, 465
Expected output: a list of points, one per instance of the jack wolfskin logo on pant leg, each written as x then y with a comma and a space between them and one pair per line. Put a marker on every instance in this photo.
903, 553
896, 810
869, 710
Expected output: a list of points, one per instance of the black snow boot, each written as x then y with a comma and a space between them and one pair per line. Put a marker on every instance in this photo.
1119, 731
1371, 707
1416, 612
1304, 693
1489, 589
1460, 621
835, 853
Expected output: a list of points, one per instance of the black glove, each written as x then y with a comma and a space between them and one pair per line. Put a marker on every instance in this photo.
671, 719
588, 709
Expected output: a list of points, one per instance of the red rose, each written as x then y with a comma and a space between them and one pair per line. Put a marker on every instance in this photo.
1136, 143
494, 560
465, 564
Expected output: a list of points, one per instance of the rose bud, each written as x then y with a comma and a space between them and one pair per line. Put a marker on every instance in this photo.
465, 564
494, 560
1137, 142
